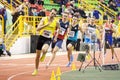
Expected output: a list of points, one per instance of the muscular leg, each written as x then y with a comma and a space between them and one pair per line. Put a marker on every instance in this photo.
70, 57
69, 51
112, 50
53, 55
38, 54
44, 51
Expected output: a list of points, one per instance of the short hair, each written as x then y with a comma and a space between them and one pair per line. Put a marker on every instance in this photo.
54, 9
76, 15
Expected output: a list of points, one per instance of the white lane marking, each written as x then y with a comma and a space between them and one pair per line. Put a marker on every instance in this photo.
18, 74
11, 77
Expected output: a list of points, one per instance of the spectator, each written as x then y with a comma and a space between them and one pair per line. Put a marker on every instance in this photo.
117, 3
70, 3
39, 7
82, 13
113, 6
75, 9
61, 9
32, 1
70, 9
105, 16
16, 13
9, 1
40, 2
96, 14
35, 12
64, 2
42, 13
57, 1
3, 12
3, 49
5, 19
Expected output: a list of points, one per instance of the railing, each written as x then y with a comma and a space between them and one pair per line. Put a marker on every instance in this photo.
16, 3
12, 34
118, 30
106, 9
6, 4
85, 5
2, 27
26, 25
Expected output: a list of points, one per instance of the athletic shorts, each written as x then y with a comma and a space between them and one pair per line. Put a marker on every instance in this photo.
108, 37
41, 41
70, 42
87, 40
58, 43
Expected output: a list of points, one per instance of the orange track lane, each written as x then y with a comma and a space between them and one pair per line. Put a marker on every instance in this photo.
21, 69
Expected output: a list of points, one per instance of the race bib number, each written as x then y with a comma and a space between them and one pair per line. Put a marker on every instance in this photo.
91, 30
71, 34
62, 31
46, 33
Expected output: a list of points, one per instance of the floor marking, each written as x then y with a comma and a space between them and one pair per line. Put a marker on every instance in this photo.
18, 74
11, 77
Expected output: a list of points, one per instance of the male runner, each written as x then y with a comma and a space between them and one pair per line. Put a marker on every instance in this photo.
64, 27
46, 27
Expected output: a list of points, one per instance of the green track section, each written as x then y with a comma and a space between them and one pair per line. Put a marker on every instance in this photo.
92, 74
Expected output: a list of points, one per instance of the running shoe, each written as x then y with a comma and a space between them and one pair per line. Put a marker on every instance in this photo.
35, 72
43, 57
70, 62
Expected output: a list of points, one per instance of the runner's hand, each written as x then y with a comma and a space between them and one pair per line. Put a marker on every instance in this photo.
55, 39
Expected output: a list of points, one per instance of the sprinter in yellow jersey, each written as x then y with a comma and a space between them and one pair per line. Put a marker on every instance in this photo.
46, 27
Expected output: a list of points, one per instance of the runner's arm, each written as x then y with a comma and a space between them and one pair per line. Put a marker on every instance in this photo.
41, 25
58, 30
80, 29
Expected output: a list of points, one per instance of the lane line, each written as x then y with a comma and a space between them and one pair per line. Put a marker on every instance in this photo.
15, 75
18, 74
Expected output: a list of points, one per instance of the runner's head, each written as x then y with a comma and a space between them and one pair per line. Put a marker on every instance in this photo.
75, 18
53, 12
65, 15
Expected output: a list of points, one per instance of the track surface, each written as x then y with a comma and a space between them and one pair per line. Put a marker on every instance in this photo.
20, 67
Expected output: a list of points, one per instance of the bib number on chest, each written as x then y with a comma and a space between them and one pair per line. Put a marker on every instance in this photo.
91, 30
71, 34
62, 31
46, 33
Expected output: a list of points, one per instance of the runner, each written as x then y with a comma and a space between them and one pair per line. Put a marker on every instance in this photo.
90, 35
46, 27
109, 29
72, 38
64, 27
